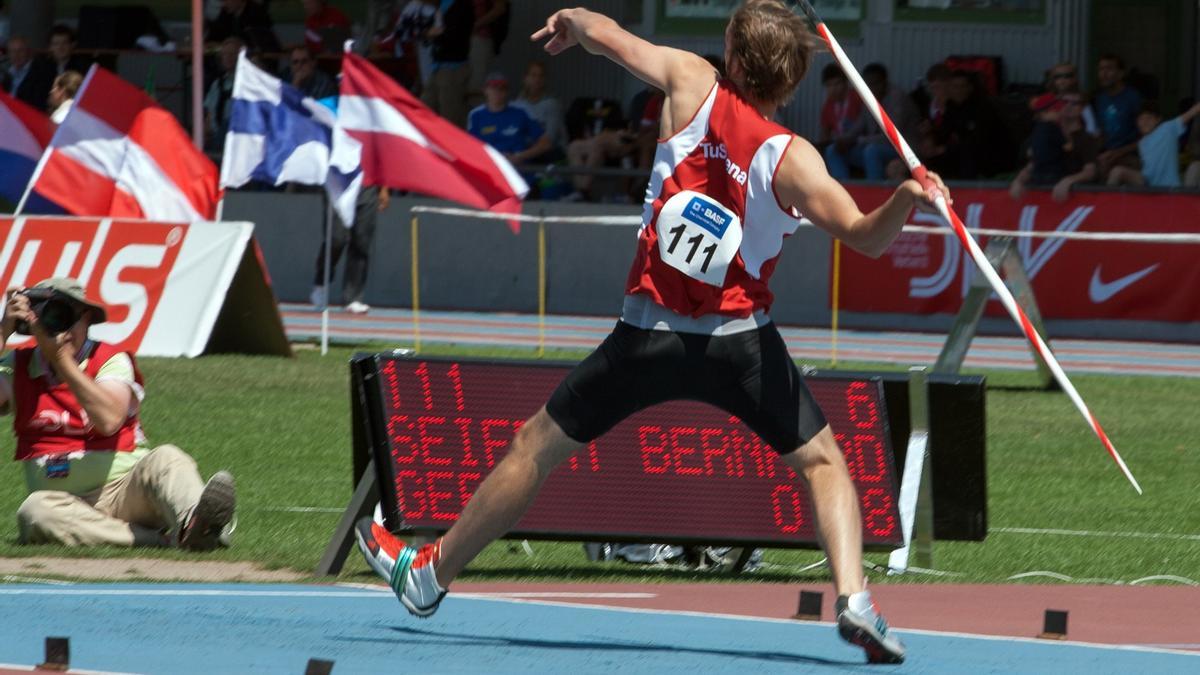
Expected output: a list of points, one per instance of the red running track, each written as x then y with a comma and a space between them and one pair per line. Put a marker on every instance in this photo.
1162, 616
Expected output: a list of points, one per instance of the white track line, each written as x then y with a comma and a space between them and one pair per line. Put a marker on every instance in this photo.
1095, 533
72, 671
125, 592
515, 595
911, 631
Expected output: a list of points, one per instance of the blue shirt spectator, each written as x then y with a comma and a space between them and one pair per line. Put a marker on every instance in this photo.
1117, 106
1118, 115
506, 128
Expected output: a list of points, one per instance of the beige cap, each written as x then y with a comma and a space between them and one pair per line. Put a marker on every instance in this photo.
74, 290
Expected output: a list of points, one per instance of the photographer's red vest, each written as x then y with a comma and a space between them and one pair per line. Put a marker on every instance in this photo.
48, 420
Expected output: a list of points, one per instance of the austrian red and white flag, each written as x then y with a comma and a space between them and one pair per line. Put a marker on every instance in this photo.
119, 154
407, 146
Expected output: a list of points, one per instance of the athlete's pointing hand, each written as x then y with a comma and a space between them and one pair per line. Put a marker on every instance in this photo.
561, 30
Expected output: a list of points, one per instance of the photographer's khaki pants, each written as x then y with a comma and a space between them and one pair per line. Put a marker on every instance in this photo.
133, 510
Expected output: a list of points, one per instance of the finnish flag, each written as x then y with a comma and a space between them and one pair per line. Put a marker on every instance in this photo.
277, 135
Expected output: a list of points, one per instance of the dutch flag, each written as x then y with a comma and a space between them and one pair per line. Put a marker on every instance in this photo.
24, 135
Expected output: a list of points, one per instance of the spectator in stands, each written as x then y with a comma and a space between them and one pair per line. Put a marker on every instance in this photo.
219, 98
1191, 178
873, 151
1158, 150
1062, 153
62, 95
544, 109
931, 97
246, 20
92, 478
27, 78
936, 145
410, 41
356, 241
306, 77
62, 51
322, 21
491, 25
381, 18
645, 117
445, 91
1117, 106
599, 136
839, 112
505, 127
1063, 80
5, 24
976, 131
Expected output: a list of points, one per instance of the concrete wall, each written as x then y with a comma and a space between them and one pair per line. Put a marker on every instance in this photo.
481, 265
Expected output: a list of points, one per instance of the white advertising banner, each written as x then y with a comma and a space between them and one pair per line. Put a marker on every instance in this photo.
163, 285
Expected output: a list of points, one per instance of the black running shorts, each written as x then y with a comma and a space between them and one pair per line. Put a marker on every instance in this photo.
747, 374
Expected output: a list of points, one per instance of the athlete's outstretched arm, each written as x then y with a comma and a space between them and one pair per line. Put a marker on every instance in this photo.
804, 183
661, 67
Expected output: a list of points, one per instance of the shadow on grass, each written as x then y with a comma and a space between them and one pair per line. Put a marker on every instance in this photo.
446, 641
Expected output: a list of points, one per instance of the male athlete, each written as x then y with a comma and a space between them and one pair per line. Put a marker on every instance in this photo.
728, 185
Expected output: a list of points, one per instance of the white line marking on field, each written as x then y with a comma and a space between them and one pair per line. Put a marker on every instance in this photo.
300, 509
1095, 533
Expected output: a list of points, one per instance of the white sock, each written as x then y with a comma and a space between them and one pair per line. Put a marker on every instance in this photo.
860, 603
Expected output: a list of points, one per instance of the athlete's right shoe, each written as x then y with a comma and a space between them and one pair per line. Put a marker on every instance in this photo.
860, 623
408, 571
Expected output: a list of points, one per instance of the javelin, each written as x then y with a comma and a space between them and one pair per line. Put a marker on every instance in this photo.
919, 172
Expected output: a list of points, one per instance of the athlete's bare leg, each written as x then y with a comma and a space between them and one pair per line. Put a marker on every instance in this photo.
502, 498
835, 501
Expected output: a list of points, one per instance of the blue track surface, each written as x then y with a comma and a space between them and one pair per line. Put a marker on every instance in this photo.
276, 629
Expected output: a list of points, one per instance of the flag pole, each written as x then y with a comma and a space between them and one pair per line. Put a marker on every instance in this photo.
198, 74
37, 173
328, 265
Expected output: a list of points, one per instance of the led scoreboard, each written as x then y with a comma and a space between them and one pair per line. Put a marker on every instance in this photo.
678, 472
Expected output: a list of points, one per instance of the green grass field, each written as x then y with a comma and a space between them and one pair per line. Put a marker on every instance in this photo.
282, 426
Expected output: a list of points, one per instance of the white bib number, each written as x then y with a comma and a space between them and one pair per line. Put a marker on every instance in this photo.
698, 236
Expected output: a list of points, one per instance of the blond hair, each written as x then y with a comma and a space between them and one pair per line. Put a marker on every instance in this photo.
774, 47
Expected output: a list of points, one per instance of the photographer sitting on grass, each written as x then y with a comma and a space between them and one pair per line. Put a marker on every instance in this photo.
92, 479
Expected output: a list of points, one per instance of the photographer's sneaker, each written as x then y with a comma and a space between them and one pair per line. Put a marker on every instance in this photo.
204, 527
408, 571
860, 623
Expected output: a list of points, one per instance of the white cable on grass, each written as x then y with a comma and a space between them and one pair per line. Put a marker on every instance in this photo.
1166, 577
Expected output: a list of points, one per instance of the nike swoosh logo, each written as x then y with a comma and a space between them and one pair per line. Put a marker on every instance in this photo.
1101, 291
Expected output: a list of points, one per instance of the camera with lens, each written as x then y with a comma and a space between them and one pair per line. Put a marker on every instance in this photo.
55, 310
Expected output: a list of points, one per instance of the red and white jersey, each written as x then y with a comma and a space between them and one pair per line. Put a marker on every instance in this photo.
712, 227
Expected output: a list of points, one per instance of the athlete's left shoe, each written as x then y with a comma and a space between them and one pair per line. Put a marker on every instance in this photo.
409, 571
860, 623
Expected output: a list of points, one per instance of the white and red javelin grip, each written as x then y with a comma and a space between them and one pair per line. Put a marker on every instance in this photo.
919, 172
